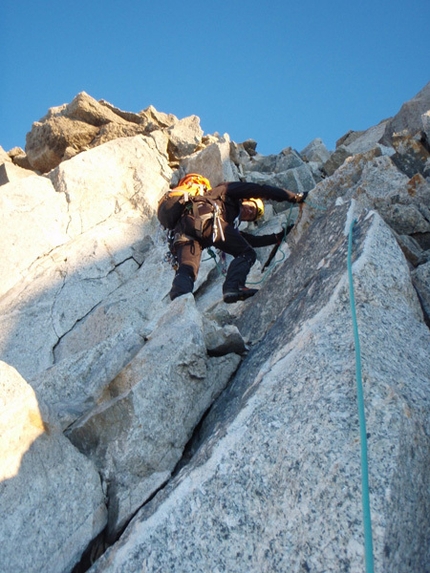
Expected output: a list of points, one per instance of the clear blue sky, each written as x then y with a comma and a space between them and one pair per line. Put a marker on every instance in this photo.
276, 71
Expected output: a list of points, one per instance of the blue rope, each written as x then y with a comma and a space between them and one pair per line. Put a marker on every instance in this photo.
368, 545
315, 206
212, 255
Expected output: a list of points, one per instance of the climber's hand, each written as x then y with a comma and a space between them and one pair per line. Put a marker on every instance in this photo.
301, 197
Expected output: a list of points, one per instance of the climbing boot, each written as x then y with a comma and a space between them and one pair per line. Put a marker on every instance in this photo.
241, 293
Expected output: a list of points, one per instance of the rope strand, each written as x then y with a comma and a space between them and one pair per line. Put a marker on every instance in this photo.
368, 545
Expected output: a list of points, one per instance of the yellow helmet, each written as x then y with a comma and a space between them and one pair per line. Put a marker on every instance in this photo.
260, 207
192, 179
257, 204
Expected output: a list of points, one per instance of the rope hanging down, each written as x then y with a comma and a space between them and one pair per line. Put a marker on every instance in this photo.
368, 545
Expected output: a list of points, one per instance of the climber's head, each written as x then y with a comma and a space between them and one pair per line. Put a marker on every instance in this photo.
193, 180
251, 209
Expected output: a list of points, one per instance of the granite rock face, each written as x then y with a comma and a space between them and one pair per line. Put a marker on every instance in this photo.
51, 496
196, 435
137, 434
275, 482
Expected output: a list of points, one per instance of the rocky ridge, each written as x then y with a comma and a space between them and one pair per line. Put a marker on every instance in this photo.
140, 434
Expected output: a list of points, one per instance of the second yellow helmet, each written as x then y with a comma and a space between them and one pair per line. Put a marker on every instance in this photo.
256, 204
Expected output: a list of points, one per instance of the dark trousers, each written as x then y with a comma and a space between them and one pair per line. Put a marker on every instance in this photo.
188, 250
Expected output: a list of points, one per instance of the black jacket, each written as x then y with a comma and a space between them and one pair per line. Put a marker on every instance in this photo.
232, 193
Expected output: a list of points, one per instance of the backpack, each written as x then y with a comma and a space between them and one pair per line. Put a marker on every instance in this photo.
206, 212
174, 203
171, 206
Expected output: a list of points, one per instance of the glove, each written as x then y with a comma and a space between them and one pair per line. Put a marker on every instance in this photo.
301, 197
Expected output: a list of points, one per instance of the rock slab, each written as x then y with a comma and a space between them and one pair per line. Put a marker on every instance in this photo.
276, 482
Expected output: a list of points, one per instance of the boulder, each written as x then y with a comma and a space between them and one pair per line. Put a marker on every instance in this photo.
335, 160
298, 179
47, 142
115, 130
315, 151
86, 109
51, 497
220, 341
85, 123
412, 250
412, 156
287, 159
349, 137
157, 119
287, 170
241, 153
363, 141
213, 162
74, 385
184, 137
19, 157
250, 146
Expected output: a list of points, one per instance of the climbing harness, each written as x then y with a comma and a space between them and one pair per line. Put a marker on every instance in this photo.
368, 545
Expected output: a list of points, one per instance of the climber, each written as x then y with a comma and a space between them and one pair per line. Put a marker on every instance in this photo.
212, 218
